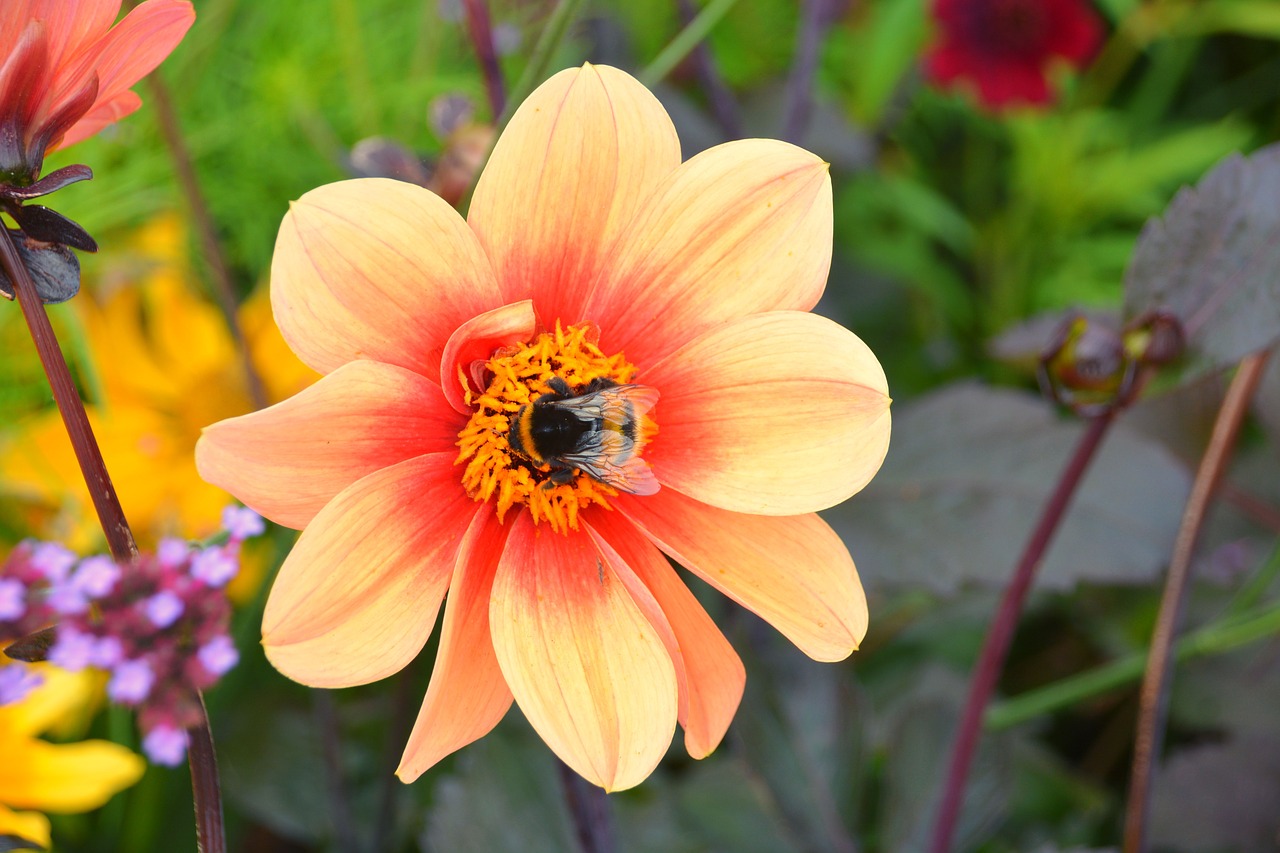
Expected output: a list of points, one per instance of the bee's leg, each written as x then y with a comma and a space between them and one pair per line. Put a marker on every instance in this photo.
559, 386
561, 475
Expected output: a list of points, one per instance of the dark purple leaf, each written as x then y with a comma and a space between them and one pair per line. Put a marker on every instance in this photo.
51, 182
967, 475
13, 842
1213, 261
53, 268
32, 648
46, 224
1219, 796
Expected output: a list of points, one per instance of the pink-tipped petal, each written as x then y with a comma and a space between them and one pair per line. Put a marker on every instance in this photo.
793, 572
475, 342
566, 178
586, 667
376, 269
741, 228
357, 597
291, 459
776, 414
467, 696
712, 676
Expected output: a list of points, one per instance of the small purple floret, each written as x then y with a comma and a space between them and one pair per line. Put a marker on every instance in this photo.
242, 523
16, 682
171, 553
96, 577
163, 608
218, 655
72, 650
52, 560
214, 566
13, 599
131, 682
165, 745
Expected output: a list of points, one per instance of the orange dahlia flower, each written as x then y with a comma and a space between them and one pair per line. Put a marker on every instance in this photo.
611, 359
67, 70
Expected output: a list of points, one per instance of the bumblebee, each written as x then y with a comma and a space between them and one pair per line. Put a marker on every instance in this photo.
596, 430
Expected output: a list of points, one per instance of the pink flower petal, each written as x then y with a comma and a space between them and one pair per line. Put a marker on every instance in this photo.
793, 572
586, 667
467, 696
357, 597
776, 414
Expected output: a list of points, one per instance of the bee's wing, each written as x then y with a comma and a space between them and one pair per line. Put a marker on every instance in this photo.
616, 405
609, 456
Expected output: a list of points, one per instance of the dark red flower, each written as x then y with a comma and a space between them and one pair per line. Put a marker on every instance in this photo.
1005, 47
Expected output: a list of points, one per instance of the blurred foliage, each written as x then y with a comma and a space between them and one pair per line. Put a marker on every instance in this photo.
952, 226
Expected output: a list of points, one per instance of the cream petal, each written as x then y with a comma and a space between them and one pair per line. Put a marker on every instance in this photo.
775, 414
793, 572
357, 597
378, 269
467, 696
741, 228
289, 460
711, 674
584, 663
566, 178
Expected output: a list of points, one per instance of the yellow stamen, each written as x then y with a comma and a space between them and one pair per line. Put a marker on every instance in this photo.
519, 376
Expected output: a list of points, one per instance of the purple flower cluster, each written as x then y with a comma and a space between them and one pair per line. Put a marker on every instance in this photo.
158, 626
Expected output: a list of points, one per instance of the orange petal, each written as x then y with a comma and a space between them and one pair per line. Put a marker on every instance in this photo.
378, 269
711, 675
775, 414
128, 52
568, 175
793, 572
357, 597
467, 696
474, 343
586, 667
71, 26
741, 228
289, 460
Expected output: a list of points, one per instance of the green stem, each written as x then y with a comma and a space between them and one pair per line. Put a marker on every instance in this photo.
1217, 638
685, 41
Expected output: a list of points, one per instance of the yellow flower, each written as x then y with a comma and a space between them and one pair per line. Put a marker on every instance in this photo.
38, 776
165, 366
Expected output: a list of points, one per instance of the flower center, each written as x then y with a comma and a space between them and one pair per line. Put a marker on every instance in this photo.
557, 429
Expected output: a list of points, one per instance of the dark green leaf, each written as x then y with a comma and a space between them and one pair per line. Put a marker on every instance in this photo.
966, 478
1212, 261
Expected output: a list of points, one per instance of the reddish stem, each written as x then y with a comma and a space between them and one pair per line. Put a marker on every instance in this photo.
589, 808
996, 645
480, 28
206, 793
1154, 694
105, 502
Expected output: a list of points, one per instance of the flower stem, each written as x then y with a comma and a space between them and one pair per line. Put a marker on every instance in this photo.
1231, 633
105, 502
326, 715
589, 807
1153, 699
685, 41
207, 796
996, 645
480, 28
816, 16
211, 246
